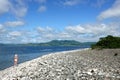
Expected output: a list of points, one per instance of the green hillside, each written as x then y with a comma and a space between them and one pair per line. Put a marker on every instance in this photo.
107, 42
61, 43
55, 43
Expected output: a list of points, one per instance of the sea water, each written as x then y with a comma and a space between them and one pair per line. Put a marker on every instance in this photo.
26, 53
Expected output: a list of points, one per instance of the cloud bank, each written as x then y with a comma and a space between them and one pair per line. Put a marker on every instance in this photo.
112, 12
82, 33
14, 23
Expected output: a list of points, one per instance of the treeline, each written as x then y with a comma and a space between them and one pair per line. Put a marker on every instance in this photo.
107, 42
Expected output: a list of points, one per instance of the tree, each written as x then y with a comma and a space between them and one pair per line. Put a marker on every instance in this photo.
107, 42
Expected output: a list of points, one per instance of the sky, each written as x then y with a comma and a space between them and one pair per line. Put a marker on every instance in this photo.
36, 21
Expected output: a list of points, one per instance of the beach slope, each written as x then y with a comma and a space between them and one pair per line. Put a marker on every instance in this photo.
83, 64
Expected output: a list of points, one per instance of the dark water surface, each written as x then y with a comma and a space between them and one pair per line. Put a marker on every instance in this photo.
26, 53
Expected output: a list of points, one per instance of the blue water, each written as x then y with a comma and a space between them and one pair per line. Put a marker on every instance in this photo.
26, 53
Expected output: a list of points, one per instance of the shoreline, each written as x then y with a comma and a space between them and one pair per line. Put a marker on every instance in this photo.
51, 55
44, 55
68, 65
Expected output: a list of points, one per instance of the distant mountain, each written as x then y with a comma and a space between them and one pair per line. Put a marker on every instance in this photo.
61, 43
56, 43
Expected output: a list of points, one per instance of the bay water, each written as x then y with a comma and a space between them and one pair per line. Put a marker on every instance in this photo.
26, 53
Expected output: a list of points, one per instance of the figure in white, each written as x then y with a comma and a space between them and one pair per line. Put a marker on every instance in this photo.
15, 60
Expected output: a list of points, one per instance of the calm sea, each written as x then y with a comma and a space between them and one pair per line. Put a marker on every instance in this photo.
26, 53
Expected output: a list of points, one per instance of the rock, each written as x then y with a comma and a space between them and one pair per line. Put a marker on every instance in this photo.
69, 65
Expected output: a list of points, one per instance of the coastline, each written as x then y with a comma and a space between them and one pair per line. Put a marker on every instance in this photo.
75, 64
50, 54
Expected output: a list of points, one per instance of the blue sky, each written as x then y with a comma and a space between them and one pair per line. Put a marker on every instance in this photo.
31, 21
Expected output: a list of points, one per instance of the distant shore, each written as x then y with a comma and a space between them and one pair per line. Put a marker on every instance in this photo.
71, 65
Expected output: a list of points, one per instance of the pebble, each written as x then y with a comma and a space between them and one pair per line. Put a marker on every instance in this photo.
69, 65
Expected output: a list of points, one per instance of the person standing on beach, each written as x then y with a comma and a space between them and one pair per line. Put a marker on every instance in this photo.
15, 60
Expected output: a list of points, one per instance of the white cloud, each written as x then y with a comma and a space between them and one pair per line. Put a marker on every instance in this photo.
17, 7
2, 29
44, 30
114, 11
40, 29
42, 8
65, 35
47, 34
75, 29
71, 2
10, 37
14, 23
92, 32
20, 11
82, 33
4, 6
93, 29
15, 34
20, 8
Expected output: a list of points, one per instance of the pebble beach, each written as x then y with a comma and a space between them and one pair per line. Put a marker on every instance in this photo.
83, 64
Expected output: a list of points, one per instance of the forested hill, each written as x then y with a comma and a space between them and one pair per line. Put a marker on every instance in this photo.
61, 43
64, 43
54, 43
109, 42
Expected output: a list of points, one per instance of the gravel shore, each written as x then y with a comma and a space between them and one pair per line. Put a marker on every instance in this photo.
84, 64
